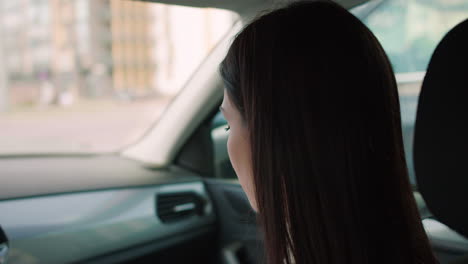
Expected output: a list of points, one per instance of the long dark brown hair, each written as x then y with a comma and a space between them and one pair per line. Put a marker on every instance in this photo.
320, 100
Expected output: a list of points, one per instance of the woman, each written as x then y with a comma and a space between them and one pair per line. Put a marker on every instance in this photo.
315, 139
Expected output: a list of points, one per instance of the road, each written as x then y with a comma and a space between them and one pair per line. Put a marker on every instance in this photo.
86, 126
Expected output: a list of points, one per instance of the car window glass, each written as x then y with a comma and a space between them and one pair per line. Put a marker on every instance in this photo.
409, 31
86, 76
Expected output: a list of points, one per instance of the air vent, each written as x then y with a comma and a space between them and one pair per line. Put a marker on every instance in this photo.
173, 207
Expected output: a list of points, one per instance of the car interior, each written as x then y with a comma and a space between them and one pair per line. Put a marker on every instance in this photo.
173, 197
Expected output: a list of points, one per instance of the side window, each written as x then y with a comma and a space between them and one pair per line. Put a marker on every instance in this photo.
409, 31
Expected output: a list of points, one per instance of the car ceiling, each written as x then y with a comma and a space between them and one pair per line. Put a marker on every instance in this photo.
240, 6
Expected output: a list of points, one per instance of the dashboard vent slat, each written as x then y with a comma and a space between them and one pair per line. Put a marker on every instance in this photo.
171, 207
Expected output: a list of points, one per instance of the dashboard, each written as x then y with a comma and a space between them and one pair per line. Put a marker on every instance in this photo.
76, 210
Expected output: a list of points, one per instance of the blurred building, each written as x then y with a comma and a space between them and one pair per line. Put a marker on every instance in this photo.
132, 48
62, 50
39, 34
64, 62
26, 45
94, 46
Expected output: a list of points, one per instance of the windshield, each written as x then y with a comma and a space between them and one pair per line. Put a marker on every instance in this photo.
81, 76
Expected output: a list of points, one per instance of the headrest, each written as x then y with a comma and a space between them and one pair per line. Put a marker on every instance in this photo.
441, 132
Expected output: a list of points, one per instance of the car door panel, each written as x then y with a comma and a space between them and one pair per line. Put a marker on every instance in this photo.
240, 240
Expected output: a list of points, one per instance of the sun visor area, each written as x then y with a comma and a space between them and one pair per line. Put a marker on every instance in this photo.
240, 6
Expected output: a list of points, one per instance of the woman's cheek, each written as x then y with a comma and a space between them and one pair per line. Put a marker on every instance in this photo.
239, 154
231, 152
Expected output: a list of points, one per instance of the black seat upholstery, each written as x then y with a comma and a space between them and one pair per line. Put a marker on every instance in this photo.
441, 132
